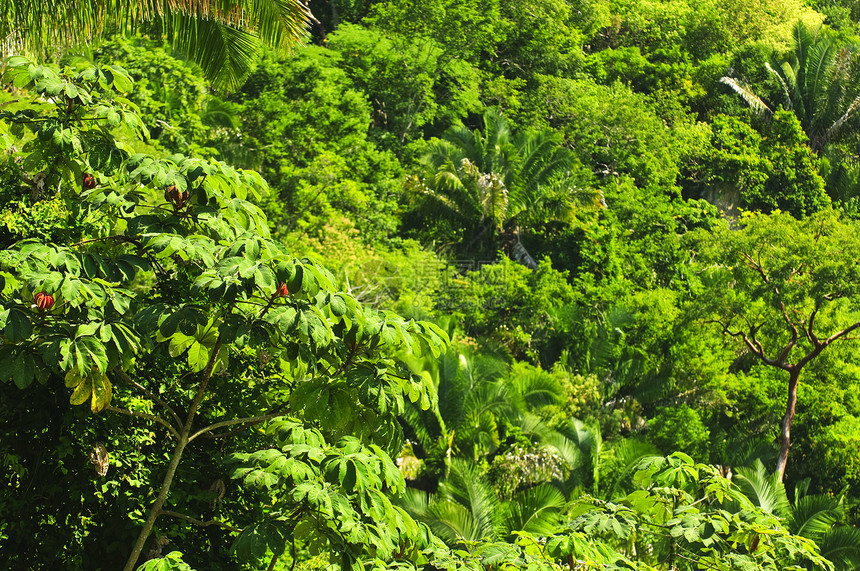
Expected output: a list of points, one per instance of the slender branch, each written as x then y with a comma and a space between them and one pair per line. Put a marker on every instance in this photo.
839, 334
788, 320
157, 419
199, 522
35, 121
118, 238
783, 355
758, 344
150, 394
293, 551
755, 266
752, 343
248, 420
794, 272
810, 329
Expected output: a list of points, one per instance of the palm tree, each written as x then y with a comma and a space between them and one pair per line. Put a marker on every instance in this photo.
471, 397
223, 37
818, 517
821, 85
466, 508
493, 183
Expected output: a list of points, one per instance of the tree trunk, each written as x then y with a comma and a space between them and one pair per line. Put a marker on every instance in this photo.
155, 510
785, 426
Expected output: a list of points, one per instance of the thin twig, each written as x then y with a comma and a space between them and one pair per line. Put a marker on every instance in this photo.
118, 238
157, 419
248, 420
150, 394
199, 522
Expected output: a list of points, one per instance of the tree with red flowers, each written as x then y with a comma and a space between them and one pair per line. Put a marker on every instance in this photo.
168, 305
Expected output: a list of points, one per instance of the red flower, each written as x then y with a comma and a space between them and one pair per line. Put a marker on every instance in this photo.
44, 301
282, 290
89, 181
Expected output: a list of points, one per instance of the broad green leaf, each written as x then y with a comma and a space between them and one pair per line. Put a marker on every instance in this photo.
198, 356
23, 370
18, 326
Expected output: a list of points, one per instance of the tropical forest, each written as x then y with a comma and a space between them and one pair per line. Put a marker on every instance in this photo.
430, 285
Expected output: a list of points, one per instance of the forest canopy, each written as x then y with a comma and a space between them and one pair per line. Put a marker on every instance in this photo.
472, 285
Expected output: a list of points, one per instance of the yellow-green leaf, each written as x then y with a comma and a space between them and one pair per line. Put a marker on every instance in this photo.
102, 392
82, 392
198, 357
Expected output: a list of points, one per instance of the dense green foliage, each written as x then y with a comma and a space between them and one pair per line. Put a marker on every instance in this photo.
484, 284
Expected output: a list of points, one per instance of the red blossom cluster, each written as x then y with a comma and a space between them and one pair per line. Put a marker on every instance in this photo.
44, 301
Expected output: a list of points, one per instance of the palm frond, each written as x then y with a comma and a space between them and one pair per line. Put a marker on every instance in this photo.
590, 445
222, 37
834, 129
279, 23
542, 159
489, 396
743, 451
622, 458
522, 256
415, 502
746, 93
497, 142
574, 456
763, 489
417, 420
534, 388
842, 547
493, 197
585, 437
819, 61
535, 510
792, 89
454, 523
225, 54
468, 488
38, 26
812, 516
478, 435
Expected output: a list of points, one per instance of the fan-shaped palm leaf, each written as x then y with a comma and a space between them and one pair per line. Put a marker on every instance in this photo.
556, 440
535, 510
763, 489
743, 450
813, 516
589, 444
620, 461
842, 547
467, 488
534, 388
454, 523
